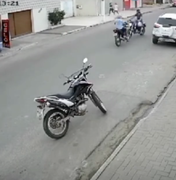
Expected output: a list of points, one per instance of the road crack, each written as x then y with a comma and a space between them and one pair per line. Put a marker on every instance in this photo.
109, 143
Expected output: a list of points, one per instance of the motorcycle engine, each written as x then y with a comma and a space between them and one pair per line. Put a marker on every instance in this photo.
82, 108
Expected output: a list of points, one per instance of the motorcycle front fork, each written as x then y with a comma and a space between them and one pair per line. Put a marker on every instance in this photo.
90, 97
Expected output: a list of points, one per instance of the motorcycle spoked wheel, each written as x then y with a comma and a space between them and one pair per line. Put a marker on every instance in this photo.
56, 113
97, 101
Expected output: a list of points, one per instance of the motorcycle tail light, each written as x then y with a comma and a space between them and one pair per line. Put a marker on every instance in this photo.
42, 100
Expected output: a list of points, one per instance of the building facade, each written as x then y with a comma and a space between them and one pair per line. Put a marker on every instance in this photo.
32, 15
134, 3
93, 7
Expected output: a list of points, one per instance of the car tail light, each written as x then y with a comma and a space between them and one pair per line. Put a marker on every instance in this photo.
156, 25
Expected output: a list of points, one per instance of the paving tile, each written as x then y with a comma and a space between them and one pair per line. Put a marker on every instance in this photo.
151, 151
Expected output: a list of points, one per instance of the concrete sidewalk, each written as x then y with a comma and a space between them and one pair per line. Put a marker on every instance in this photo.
70, 25
97, 20
150, 154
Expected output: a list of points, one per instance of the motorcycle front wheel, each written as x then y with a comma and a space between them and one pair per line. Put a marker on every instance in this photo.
54, 120
97, 101
129, 32
142, 31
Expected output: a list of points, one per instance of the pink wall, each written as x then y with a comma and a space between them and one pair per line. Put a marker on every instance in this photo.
132, 3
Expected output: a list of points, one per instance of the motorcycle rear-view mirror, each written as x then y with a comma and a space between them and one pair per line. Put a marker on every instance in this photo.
85, 60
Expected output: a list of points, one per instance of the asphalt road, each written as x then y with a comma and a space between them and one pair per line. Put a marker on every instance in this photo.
123, 77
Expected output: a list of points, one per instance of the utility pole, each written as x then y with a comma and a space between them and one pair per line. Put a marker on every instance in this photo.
103, 10
74, 8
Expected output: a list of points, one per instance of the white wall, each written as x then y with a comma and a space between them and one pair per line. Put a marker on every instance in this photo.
67, 6
140, 3
4, 16
89, 8
93, 7
31, 4
40, 19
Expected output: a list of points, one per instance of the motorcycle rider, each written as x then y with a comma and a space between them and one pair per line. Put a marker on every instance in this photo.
138, 16
120, 24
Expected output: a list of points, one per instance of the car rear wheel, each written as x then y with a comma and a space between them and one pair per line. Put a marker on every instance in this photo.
155, 40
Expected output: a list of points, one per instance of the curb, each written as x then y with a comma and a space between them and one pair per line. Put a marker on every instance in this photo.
57, 26
73, 31
2, 56
27, 46
132, 132
85, 27
98, 24
8, 54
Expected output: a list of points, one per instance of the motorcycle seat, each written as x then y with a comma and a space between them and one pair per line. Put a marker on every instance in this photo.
66, 95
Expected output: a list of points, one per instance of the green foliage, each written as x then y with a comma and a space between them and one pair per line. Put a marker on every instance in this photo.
56, 16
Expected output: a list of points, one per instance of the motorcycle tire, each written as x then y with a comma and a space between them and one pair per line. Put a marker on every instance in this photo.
98, 102
142, 31
46, 121
130, 33
117, 41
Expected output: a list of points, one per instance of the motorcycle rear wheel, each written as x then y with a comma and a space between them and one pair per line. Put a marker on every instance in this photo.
117, 41
46, 122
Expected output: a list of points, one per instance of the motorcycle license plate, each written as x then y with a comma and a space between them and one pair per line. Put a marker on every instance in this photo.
40, 114
114, 34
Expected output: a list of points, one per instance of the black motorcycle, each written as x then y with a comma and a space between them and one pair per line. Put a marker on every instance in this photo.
64, 106
119, 37
139, 27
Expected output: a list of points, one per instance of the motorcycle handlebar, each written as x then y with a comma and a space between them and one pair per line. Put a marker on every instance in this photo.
88, 67
68, 81
84, 70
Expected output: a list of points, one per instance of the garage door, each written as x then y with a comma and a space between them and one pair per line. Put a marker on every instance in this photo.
20, 23
67, 6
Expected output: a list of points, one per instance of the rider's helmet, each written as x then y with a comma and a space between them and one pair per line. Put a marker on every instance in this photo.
138, 10
119, 17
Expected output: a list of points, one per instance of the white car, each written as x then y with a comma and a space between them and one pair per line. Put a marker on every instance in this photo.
165, 28
173, 4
